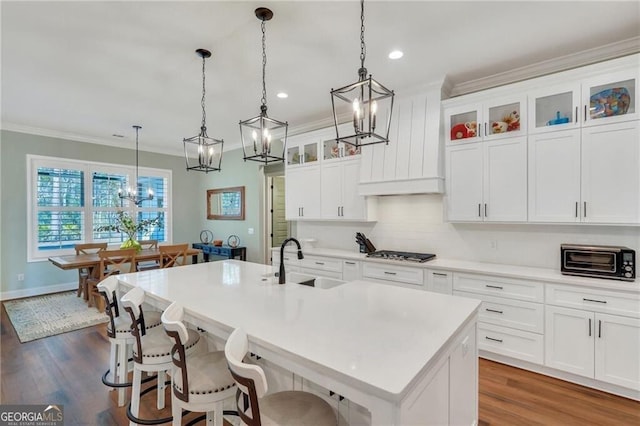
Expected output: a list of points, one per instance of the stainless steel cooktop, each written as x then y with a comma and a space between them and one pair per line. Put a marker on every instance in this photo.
402, 255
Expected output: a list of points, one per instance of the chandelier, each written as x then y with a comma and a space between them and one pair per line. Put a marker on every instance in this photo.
366, 98
201, 152
132, 193
257, 132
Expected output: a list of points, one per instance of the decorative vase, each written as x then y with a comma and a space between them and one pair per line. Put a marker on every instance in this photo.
131, 243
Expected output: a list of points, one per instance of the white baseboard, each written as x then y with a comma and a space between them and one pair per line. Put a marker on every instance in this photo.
37, 291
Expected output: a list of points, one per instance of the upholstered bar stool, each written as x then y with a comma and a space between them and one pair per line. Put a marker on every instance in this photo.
255, 408
200, 382
120, 337
151, 353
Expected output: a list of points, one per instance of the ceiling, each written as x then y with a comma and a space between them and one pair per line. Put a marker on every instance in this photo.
89, 70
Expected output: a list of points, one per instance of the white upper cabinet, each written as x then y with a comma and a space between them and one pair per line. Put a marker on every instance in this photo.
302, 150
610, 98
488, 120
554, 108
611, 173
412, 161
302, 193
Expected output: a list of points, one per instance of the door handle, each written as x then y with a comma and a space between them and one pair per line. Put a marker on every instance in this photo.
350, 263
485, 209
599, 329
576, 113
319, 263
589, 327
479, 214
585, 209
576, 209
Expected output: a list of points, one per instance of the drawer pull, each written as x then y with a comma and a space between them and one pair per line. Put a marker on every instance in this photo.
389, 273
440, 274
599, 329
491, 338
493, 286
589, 327
493, 310
350, 263
319, 263
594, 300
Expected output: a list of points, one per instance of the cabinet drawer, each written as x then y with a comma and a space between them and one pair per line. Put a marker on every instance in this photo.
526, 316
509, 342
393, 273
530, 291
321, 263
594, 300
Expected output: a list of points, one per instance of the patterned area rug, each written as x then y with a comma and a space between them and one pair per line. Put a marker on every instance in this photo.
42, 316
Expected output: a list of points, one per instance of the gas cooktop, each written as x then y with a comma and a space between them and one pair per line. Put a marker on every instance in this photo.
401, 255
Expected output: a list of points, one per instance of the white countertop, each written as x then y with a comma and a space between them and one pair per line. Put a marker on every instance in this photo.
380, 336
543, 275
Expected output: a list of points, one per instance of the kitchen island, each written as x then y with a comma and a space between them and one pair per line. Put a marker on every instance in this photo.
408, 357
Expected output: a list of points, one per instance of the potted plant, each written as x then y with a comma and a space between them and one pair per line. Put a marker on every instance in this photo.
126, 224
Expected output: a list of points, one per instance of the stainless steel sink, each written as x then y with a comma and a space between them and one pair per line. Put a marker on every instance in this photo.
310, 280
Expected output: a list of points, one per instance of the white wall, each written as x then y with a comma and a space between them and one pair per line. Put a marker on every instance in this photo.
415, 223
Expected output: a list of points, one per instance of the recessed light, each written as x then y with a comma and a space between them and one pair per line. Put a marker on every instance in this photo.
282, 95
396, 54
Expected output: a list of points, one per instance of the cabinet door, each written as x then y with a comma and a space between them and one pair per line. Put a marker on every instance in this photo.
505, 180
331, 198
351, 270
439, 282
302, 193
464, 182
462, 124
617, 350
353, 204
569, 340
554, 177
611, 173
554, 108
610, 98
505, 118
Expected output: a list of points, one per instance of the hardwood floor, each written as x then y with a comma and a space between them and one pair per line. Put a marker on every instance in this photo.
66, 369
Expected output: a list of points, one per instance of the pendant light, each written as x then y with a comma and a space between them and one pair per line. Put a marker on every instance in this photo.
132, 193
258, 132
367, 99
201, 152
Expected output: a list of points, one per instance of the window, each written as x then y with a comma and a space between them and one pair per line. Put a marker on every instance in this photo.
69, 199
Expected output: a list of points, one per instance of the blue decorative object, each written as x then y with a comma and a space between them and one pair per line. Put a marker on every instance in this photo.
558, 120
609, 102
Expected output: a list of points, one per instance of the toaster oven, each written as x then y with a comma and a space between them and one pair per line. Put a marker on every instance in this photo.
611, 262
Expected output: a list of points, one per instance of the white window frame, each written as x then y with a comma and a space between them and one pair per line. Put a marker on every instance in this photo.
88, 167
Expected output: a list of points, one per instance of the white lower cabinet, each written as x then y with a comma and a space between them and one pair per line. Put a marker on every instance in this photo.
393, 274
511, 319
592, 343
438, 281
351, 270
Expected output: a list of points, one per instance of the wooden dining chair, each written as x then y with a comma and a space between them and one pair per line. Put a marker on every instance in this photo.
256, 408
111, 262
173, 255
146, 265
85, 272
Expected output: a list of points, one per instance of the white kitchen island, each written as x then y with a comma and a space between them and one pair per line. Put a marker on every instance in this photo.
409, 357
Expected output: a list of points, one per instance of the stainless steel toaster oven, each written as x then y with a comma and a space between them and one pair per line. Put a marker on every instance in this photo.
613, 262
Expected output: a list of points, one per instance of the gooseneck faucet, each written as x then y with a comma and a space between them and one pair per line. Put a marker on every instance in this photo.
300, 256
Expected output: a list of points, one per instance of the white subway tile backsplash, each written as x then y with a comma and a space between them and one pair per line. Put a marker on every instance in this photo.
415, 223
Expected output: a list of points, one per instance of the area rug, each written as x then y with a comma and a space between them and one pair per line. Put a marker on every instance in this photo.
42, 316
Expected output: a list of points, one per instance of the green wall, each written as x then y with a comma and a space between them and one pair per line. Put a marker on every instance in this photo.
189, 203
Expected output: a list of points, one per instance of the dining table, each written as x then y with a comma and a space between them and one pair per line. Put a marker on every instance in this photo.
91, 260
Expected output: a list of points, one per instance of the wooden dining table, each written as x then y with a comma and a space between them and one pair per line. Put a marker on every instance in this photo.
77, 261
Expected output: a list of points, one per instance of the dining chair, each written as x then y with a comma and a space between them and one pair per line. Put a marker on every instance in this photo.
148, 264
256, 408
200, 382
151, 353
111, 262
85, 272
173, 255
120, 337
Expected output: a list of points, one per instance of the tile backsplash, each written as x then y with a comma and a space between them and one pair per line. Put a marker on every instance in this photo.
415, 223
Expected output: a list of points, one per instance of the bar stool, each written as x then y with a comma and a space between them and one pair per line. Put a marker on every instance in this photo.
201, 382
120, 337
280, 408
151, 353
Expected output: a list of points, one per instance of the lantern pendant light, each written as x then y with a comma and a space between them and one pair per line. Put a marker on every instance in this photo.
132, 193
367, 100
257, 133
202, 153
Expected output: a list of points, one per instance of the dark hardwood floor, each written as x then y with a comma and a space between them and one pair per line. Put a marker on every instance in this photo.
66, 369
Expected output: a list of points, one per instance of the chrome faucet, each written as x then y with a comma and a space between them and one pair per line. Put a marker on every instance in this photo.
300, 256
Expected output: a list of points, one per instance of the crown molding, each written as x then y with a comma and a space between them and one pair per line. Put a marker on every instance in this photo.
563, 63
